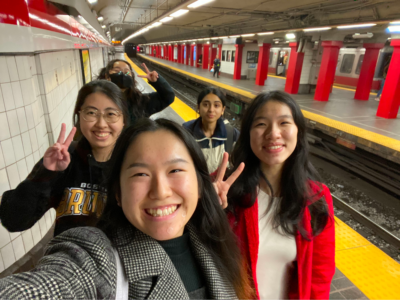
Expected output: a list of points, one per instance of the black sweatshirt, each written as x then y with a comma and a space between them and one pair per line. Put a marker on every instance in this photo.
76, 194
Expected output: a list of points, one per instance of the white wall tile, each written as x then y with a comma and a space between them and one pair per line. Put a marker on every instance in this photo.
23, 125
21, 67
8, 255
4, 236
4, 76
12, 68
22, 169
8, 97
26, 141
18, 147
19, 249
5, 131
36, 156
28, 240
2, 106
14, 235
43, 226
2, 163
17, 93
27, 91
34, 143
4, 184
48, 219
13, 176
38, 64
8, 152
1, 264
36, 235
30, 163
13, 122
32, 65
29, 116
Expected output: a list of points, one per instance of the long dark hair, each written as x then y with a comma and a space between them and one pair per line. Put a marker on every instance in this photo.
208, 219
211, 90
297, 179
134, 97
105, 87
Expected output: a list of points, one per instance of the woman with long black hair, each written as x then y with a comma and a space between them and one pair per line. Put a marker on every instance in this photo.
120, 72
163, 234
281, 214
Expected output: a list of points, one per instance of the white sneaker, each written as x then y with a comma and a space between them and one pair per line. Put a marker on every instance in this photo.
377, 98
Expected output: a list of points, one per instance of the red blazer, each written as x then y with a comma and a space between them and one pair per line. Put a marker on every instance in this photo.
315, 258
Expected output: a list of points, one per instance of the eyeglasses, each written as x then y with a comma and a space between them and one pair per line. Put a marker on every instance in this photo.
119, 71
92, 115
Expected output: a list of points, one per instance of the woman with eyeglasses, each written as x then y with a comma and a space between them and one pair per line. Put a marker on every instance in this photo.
69, 177
120, 72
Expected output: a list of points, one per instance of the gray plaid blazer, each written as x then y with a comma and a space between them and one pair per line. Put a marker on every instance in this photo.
80, 264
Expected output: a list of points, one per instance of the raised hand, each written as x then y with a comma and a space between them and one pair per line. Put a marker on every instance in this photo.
222, 187
56, 157
151, 76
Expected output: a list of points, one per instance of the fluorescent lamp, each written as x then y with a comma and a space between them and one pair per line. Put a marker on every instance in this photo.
179, 13
394, 28
100, 19
92, 1
166, 19
290, 36
356, 26
215, 38
157, 24
317, 29
103, 26
250, 34
395, 22
199, 3
234, 36
265, 33
223, 37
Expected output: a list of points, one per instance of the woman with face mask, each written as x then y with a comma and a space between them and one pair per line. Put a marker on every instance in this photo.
163, 234
69, 178
282, 216
140, 105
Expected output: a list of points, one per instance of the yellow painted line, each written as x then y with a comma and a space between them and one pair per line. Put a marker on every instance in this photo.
359, 132
181, 108
375, 273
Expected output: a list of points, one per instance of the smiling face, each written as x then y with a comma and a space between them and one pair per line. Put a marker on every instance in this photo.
273, 134
100, 134
159, 188
211, 108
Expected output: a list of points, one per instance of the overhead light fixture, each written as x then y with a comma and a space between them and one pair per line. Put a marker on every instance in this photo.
356, 26
157, 24
199, 3
234, 36
166, 19
394, 28
265, 33
363, 35
223, 37
276, 42
395, 22
317, 29
100, 19
103, 26
250, 34
290, 36
215, 38
179, 13
92, 1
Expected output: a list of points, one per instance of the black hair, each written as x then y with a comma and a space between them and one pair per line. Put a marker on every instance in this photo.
297, 175
209, 219
134, 97
211, 90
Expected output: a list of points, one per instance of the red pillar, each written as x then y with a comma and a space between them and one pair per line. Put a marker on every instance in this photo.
165, 52
390, 99
294, 71
213, 54
237, 71
327, 70
263, 62
220, 51
206, 53
179, 49
187, 54
366, 78
199, 51
191, 55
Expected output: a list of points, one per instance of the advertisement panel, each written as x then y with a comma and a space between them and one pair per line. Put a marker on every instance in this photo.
86, 70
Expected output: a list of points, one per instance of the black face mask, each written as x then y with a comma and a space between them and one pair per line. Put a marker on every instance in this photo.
123, 81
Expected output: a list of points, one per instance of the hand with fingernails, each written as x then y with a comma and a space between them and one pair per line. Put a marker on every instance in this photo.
151, 76
56, 157
222, 187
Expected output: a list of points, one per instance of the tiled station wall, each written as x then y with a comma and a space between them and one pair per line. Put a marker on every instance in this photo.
37, 94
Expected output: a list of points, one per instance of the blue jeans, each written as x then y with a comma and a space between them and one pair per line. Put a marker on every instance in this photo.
381, 89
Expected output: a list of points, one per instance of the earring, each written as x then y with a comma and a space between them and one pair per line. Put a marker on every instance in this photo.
76, 118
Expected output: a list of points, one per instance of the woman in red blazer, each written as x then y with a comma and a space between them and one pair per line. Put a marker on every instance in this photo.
289, 243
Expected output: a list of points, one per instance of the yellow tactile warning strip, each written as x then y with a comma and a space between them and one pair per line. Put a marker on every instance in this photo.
375, 273
356, 131
183, 110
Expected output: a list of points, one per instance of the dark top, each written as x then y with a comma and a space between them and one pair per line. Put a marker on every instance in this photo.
217, 63
75, 193
179, 252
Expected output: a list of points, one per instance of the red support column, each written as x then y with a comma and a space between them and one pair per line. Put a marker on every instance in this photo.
294, 71
199, 51
179, 49
367, 72
169, 52
327, 70
213, 54
206, 53
191, 55
237, 71
165, 52
187, 54
390, 99
220, 51
263, 62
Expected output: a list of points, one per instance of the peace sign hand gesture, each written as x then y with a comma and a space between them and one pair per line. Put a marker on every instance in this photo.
56, 157
151, 76
222, 187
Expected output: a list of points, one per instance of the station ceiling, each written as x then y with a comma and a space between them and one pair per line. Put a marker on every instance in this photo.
230, 17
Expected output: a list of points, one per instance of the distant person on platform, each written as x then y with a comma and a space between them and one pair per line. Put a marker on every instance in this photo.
216, 66
385, 70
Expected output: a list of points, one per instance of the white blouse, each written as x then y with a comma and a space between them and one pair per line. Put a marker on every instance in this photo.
276, 253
